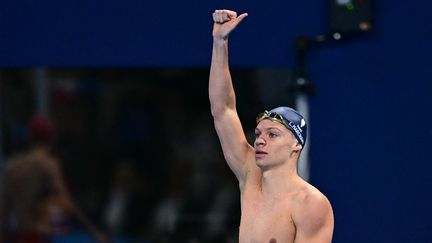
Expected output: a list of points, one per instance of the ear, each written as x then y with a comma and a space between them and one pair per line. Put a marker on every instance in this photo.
298, 147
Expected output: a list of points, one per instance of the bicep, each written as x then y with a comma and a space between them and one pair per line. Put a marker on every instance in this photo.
323, 234
237, 151
315, 222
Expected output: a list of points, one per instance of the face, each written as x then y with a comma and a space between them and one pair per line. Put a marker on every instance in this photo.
274, 144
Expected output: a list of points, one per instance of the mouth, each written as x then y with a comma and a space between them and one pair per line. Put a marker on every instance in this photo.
260, 154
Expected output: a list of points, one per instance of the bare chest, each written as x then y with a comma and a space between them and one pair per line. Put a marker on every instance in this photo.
266, 220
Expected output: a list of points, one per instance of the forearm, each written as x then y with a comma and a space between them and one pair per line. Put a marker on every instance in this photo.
221, 91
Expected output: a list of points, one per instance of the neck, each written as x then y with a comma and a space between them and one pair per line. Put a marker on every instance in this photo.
279, 179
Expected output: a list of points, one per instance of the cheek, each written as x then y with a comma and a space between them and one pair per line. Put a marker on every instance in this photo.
281, 153
286, 146
283, 149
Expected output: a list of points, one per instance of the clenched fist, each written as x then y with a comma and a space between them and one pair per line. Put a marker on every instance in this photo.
224, 22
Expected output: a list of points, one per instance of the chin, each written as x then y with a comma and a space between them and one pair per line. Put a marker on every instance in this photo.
261, 164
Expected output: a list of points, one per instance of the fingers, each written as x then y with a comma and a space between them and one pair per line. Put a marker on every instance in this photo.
228, 14
222, 16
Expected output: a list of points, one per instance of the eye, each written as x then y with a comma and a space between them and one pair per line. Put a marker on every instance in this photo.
272, 135
257, 134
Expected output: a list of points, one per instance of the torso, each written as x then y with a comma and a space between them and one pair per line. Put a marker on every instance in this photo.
270, 218
31, 192
266, 220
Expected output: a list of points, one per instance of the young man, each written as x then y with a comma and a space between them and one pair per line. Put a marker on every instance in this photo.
277, 204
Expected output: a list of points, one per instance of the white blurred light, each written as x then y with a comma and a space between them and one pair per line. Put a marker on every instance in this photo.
337, 36
343, 2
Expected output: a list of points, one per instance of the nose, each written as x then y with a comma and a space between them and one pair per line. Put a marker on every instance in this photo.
259, 141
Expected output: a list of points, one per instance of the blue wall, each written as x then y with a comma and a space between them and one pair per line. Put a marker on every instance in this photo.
372, 127
137, 33
370, 120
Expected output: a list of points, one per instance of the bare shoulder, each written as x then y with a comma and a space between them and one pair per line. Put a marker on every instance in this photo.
313, 215
314, 204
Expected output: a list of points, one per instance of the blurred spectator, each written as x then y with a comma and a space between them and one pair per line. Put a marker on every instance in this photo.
167, 215
35, 204
126, 196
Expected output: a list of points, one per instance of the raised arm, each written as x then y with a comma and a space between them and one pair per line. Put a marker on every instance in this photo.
222, 97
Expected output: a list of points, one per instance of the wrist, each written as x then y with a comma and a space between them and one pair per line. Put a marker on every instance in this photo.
219, 41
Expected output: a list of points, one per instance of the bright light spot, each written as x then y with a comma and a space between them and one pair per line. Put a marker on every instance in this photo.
343, 2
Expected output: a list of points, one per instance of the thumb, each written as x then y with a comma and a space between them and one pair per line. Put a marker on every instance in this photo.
241, 17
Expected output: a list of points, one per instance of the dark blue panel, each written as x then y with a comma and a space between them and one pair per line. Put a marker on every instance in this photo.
371, 131
142, 33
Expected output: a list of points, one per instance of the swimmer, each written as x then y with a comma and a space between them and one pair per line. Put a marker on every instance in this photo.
277, 205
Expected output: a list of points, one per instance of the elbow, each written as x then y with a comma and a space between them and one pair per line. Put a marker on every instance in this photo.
217, 110
220, 110
220, 106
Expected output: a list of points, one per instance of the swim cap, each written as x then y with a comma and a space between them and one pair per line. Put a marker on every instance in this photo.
290, 118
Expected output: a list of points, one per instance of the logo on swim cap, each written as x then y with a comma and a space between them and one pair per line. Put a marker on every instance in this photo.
302, 123
298, 131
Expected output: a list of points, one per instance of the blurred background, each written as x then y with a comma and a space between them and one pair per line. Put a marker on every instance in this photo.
118, 92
